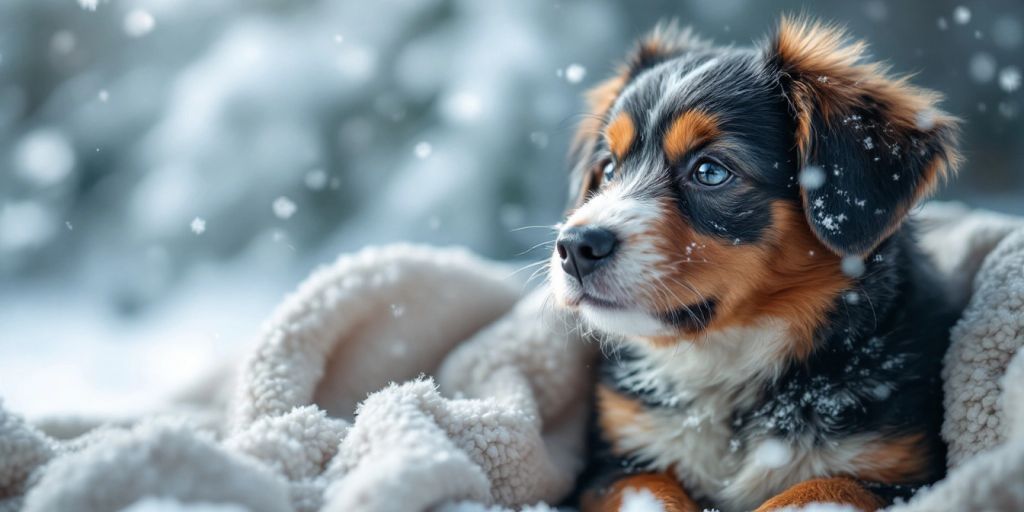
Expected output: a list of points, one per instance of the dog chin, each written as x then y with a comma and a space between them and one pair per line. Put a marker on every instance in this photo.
623, 322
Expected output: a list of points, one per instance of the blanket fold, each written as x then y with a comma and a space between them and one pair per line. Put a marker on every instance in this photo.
410, 378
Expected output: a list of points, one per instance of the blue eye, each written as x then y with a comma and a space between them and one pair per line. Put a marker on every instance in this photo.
711, 174
609, 172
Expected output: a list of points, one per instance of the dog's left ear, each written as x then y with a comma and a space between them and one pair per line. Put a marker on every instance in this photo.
870, 145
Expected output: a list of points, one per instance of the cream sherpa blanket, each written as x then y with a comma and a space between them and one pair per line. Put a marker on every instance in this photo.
503, 423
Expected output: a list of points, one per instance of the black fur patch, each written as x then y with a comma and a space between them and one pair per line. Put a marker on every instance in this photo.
871, 173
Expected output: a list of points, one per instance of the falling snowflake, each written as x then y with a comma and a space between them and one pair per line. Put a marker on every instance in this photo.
284, 208
103, 95
198, 225
89, 5
868, 143
942, 23
338, 38
982, 67
962, 15
397, 310
925, 119
574, 73
316, 179
138, 23
852, 298
852, 266
462, 106
1009, 79
63, 42
44, 157
422, 150
772, 453
812, 177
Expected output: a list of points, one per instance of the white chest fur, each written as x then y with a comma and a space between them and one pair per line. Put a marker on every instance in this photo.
701, 384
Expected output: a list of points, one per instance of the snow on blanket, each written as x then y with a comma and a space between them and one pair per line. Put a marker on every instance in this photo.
503, 423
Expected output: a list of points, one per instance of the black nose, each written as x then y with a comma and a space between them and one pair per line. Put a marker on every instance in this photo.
584, 248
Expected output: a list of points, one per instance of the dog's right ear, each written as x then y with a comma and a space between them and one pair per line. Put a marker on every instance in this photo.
665, 42
879, 144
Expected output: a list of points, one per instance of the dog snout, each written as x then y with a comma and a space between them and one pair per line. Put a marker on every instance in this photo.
584, 248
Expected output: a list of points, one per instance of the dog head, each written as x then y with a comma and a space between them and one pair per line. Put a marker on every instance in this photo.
715, 186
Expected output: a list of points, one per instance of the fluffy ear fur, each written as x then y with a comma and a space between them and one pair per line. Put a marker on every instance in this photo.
875, 143
666, 41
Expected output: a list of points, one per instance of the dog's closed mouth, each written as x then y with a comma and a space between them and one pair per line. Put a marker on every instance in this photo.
591, 300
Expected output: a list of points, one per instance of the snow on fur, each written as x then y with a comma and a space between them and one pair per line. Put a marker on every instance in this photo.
503, 424
640, 500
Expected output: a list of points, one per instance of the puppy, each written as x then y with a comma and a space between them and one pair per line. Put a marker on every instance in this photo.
739, 233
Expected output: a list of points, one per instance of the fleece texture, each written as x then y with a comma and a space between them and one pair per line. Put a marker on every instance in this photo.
409, 378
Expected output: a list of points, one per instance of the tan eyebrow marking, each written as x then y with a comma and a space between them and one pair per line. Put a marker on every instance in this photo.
620, 133
688, 131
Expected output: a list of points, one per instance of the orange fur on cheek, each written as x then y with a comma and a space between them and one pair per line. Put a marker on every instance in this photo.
698, 267
801, 282
789, 276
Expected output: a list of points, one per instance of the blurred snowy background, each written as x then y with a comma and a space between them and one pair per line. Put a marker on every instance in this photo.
170, 168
